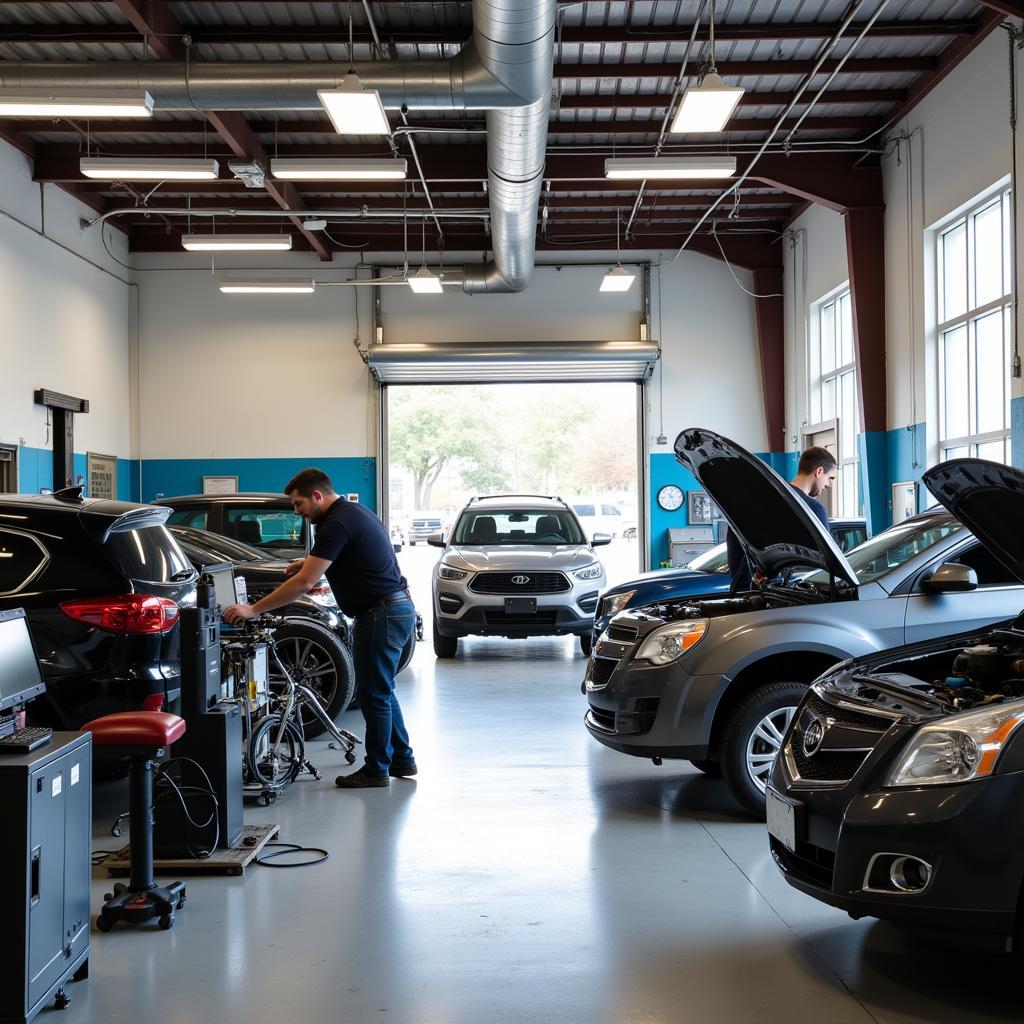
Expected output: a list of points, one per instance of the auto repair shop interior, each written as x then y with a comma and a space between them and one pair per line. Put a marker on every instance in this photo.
560, 291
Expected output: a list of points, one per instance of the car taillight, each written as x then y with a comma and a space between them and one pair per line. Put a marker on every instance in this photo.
124, 613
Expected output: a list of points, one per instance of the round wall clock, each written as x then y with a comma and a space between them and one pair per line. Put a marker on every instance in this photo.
670, 497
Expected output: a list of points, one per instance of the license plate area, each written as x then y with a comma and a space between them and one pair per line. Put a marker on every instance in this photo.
520, 606
781, 817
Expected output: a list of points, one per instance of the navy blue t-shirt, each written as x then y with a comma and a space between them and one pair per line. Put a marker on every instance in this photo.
739, 567
363, 566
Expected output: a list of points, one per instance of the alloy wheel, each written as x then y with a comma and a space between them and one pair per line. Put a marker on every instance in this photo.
765, 742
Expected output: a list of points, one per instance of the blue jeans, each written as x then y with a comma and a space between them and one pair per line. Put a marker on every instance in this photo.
377, 642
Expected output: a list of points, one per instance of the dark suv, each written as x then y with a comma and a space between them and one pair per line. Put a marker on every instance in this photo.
101, 583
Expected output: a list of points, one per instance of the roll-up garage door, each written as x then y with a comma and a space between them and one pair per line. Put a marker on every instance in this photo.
503, 363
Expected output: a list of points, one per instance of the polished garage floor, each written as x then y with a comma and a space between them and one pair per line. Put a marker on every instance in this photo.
529, 875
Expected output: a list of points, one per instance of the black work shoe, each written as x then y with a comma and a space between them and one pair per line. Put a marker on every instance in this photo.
402, 771
362, 779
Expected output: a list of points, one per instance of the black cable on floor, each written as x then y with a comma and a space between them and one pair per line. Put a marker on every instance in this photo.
286, 848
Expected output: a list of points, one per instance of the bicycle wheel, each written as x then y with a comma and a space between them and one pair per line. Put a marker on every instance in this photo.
267, 767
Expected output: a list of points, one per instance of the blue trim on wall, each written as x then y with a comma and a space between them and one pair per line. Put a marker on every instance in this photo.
35, 472
872, 447
906, 451
1017, 432
169, 477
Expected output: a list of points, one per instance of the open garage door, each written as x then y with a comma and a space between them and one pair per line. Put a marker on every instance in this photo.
503, 363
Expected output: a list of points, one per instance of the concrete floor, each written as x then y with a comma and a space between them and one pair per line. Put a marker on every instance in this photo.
528, 875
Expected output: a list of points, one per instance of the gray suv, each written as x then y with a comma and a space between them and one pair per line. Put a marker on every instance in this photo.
515, 566
716, 679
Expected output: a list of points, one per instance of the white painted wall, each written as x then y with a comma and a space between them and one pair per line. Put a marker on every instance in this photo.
66, 320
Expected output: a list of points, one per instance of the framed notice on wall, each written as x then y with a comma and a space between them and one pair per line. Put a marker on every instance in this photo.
101, 475
904, 501
220, 485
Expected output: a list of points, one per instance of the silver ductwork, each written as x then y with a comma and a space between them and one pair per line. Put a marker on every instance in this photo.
506, 70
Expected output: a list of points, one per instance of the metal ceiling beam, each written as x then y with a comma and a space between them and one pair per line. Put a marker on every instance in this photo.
158, 26
1005, 7
751, 98
738, 68
337, 33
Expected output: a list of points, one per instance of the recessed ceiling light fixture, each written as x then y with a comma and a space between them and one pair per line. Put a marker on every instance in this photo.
236, 243
267, 287
665, 168
119, 168
337, 169
33, 103
355, 110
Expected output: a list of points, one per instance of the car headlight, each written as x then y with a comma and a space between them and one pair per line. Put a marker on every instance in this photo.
446, 572
959, 748
670, 643
614, 604
589, 572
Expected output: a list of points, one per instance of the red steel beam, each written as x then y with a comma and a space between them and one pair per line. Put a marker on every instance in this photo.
739, 68
157, 25
769, 309
1005, 7
751, 98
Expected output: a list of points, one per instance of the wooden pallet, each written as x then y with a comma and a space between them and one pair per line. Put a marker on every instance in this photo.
233, 861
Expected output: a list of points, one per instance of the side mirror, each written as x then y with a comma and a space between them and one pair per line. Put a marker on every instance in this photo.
436, 540
950, 578
600, 539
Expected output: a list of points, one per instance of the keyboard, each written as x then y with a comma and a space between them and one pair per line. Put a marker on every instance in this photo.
23, 741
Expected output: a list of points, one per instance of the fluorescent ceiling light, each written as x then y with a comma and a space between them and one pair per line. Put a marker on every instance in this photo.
267, 287
33, 103
671, 167
236, 243
355, 110
423, 282
618, 279
708, 107
118, 168
338, 169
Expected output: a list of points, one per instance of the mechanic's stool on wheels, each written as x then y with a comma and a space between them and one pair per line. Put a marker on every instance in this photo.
143, 734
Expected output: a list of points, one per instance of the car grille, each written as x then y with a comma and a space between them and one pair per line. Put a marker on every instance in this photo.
845, 715
541, 618
623, 634
602, 718
812, 864
602, 671
826, 767
506, 583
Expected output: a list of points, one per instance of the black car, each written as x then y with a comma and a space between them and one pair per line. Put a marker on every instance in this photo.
899, 784
101, 583
262, 520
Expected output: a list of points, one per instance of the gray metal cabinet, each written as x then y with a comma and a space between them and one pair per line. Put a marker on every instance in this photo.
46, 864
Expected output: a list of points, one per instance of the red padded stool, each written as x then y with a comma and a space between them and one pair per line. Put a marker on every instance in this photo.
143, 735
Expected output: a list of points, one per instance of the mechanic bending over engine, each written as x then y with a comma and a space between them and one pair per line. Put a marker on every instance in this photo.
815, 471
354, 551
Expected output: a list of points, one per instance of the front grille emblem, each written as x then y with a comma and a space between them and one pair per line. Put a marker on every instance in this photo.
814, 736
520, 580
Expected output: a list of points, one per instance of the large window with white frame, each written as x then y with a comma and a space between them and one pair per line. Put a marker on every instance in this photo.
974, 256
833, 380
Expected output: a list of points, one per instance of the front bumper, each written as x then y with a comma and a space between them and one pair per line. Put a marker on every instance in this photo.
492, 620
969, 833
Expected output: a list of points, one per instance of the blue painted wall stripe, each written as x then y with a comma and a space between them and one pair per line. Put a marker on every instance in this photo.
1017, 432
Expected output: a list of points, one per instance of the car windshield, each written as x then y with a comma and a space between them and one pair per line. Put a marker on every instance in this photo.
264, 527
212, 547
517, 526
892, 548
715, 560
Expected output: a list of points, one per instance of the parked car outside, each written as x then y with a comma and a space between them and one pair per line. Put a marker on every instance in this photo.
101, 583
515, 566
314, 642
717, 680
397, 537
601, 515
708, 573
423, 525
895, 792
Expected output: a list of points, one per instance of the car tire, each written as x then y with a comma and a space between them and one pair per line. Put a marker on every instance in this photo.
753, 735
445, 646
710, 768
312, 648
586, 643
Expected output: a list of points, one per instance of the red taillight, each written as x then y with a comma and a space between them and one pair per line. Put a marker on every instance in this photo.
124, 613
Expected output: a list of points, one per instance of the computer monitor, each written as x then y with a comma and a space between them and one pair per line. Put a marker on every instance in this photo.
223, 574
20, 678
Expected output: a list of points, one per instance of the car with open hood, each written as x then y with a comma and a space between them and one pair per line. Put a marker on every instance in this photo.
896, 791
717, 680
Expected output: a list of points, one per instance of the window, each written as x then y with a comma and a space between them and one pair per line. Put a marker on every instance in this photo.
22, 558
833, 375
512, 526
265, 527
973, 258
195, 518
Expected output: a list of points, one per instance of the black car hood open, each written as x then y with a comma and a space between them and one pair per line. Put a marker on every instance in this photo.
988, 498
775, 527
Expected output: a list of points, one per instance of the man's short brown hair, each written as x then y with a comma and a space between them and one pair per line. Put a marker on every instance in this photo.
307, 481
814, 459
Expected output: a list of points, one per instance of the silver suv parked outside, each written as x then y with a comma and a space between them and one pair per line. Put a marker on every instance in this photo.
515, 566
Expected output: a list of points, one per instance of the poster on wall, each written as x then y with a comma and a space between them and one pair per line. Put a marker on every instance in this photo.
700, 509
102, 475
220, 485
904, 501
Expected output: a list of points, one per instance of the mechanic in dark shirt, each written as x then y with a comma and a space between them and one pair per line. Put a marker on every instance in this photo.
353, 550
815, 472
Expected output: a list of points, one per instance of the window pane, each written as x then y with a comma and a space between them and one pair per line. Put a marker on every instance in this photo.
1007, 247
955, 382
828, 399
955, 453
847, 416
991, 372
988, 254
954, 272
828, 337
994, 451
845, 330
